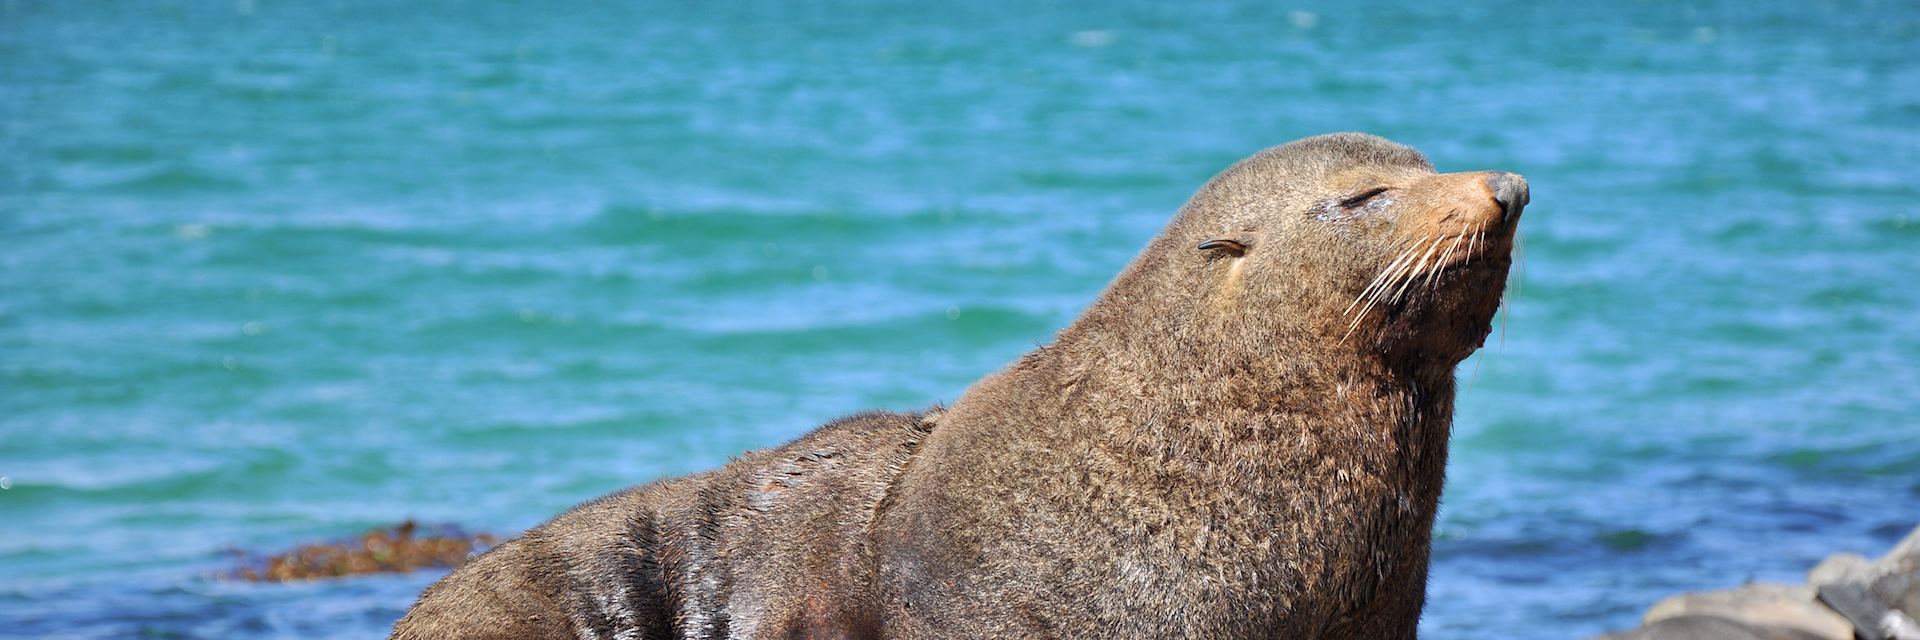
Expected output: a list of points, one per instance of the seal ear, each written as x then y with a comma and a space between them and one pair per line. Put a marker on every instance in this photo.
1230, 245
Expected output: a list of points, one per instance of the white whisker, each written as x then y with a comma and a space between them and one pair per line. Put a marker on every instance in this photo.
1378, 288
1415, 273
1385, 276
1439, 265
1520, 251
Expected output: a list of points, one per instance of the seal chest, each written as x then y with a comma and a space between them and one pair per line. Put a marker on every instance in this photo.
1244, 436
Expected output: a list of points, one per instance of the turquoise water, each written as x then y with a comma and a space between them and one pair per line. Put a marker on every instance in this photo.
282, 271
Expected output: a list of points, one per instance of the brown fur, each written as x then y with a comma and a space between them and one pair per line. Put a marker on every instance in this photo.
1245, 440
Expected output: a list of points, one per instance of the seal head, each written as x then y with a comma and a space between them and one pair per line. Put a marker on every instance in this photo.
1346, 236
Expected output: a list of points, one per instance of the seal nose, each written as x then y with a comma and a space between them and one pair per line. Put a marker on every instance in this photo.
1510, 190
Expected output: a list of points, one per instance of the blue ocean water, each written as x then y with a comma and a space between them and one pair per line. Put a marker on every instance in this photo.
278, 271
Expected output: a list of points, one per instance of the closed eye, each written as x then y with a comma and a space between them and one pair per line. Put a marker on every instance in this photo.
1361, 198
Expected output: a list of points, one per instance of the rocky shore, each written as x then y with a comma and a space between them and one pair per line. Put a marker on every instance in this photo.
1847, 596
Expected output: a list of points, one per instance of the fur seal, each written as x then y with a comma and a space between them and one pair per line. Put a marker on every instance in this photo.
1244, 436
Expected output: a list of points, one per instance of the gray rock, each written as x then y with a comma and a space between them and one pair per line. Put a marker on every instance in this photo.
1899, 590
1764, 607
1845, 595
1699, 627
1840, 567
1881, 598
1898, 626
1853, 600
1897, 576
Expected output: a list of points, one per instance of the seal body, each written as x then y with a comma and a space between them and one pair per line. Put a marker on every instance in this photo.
776, 544
1245, 436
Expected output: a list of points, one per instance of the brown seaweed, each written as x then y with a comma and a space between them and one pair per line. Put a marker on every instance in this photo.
401, 548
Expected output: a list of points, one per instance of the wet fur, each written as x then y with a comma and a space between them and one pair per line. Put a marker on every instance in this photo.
1231, 442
